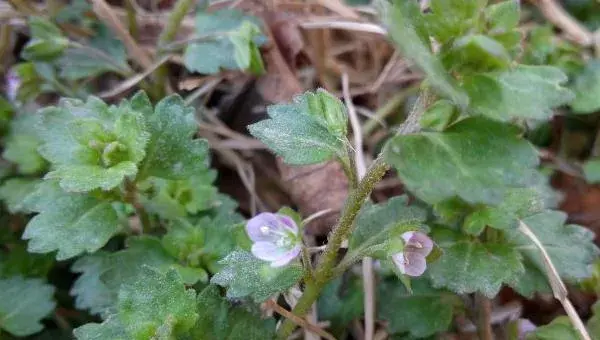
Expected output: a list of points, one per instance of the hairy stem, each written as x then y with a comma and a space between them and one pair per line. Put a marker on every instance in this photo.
177, 15
324, 271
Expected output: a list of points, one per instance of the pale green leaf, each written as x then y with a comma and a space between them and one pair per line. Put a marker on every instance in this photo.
14, 191
155, 300
560, 328
422, 313
69, 223
172, 151
89, 291
245, 275
23, 303
438, 115
523, 92
21, 144
476, 159
111, 328
449, 19
591, 169
586, 87
468, 265
405, 26
503, 16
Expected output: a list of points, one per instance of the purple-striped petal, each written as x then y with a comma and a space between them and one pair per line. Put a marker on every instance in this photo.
417, 242
268, 251
410, 263
287, 257
289, 223
264, 227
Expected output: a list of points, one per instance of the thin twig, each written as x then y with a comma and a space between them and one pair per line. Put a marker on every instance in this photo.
298, 320
131, 82
574, 31
361, 169
316, 215
558, 287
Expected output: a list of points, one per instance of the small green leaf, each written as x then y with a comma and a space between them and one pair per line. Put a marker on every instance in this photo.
301, 132
424, 312
155, 300
245, 275
524, 92
477, 52
378, 224
111, 328
405, 25
23, 303
46, 41
340, 302
219, 320
591, 169
231, 42
586, 86
503, 16
560, 328
89, 291
560, 242
14, 191
469, 266
476, 159
438, 115
452, 18
69, 223
327, 109
22, 143
172, 152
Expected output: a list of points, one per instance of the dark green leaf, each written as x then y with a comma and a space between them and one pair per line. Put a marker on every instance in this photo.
422, 313
245, 275
23, 303
476, 159
559, 329
469, 266
452, 18
438, 115
341, 302
46, 41
477, 52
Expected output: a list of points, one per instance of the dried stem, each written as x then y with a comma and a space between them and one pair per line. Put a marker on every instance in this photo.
484, 317
295, 319
367, 265
558, 287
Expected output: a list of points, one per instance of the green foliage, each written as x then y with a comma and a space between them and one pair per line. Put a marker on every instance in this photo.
591, 169
380, 226
245, 275
469, 266
424, 312
475, 159
312, 123
47, 41
14, 191
71, 223
23, 303
341, 301
586, 85
21, 144
227, 39
559, 328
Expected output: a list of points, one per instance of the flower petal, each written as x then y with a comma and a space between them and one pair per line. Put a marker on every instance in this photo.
289, 223
398, 260
415, 263
287, 257
268, 251
263, 227
418, 243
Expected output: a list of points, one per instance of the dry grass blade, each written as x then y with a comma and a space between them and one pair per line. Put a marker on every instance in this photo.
345, 25
298, 320
339, 7
131, 82
558, 287
559, 17
104, 12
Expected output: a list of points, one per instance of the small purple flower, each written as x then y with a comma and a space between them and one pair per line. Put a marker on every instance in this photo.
13, 82
412, 260
524, 327
275, 238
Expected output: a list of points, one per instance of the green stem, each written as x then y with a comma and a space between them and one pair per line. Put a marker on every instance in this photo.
349, 170
324, 271
179, 11
307, 264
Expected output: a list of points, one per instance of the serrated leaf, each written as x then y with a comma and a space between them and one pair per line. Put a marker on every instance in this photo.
219, 320
424, 312
91, 144
476, 159
468, 266
111, 328
452, 18
172, 152
524, 92
379, 223
69, 223
105, 54
340, 302
89, 291
232, 43
298, 133
155, 300
245, 275
14, 191
518, 203
503, 16
560, 241
21, 145
23, 303
586, 87
406, 28
534, 280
